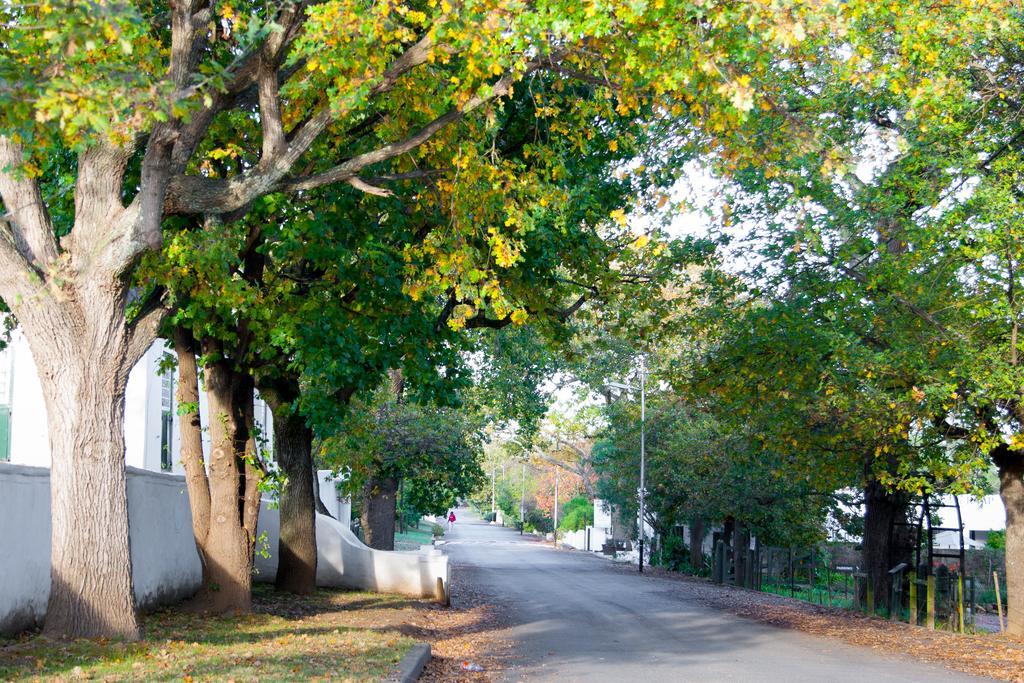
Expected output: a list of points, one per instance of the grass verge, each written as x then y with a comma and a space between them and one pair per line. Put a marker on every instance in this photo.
333, 635
414, 537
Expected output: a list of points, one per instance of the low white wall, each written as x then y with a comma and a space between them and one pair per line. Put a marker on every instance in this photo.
340, 507
578, 539
343, 561
24, 546
165, 564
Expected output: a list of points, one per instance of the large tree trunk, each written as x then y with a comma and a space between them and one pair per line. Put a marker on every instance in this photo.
70, 301
380, 493
1011, 490
378, 517
191, 433
740, 548
231, 537
882, 548
91, 592
697, 544
83, 357
296, 557
728, 527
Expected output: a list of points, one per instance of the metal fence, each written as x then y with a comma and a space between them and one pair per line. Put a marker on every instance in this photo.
941, 598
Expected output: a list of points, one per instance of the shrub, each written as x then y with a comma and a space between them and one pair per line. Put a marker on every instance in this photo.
578, 514
996, 539
538, 521
437, 530
490, 516
674, 554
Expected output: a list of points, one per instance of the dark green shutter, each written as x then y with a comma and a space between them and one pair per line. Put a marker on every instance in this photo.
5, 433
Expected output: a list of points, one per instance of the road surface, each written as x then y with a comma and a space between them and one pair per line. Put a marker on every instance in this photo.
571, 616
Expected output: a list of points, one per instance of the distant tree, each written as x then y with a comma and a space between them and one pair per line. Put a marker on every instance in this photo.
431, 453
578, 514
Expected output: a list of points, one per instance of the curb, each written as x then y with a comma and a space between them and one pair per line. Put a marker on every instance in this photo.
411, 666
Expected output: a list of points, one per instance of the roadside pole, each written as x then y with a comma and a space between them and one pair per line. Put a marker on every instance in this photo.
555, 534
494, 471
522, 501
643, 461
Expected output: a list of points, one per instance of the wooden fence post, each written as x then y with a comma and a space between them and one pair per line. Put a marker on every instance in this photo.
999, 600
930, 623
960, 600
913, 598
792, 579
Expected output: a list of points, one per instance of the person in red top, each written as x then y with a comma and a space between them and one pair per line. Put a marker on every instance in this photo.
451, 520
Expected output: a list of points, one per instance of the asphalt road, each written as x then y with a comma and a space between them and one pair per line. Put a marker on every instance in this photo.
573, 617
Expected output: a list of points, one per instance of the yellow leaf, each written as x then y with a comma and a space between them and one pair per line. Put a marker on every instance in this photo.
641, 242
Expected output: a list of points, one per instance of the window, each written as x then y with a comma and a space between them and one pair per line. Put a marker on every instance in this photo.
166, 413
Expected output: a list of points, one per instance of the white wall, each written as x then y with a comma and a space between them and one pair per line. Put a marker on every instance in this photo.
142, 423
165, 564
343, 561
338, 505
30, 444
578, 539
24, 546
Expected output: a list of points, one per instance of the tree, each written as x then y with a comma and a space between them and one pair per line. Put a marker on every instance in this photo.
433, 451
803, 377
897, 198
294, 288
143, 98
274, 300
577, 514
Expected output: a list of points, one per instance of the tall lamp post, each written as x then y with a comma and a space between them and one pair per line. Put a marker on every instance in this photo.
643, 444
555, 534
522, 501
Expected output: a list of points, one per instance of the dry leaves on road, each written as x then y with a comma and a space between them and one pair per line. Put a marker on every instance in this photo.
465, 633
995, 655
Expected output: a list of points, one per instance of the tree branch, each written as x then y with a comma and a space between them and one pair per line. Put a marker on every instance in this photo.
194, 194
26, 215
348, 169
270, 112
143, 328
906, 303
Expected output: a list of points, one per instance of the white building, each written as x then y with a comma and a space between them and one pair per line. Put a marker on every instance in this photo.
979, 518
151, 418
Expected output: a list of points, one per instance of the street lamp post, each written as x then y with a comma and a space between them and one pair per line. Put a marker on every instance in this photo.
555, 530
643, 454
522, 501
643, 446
